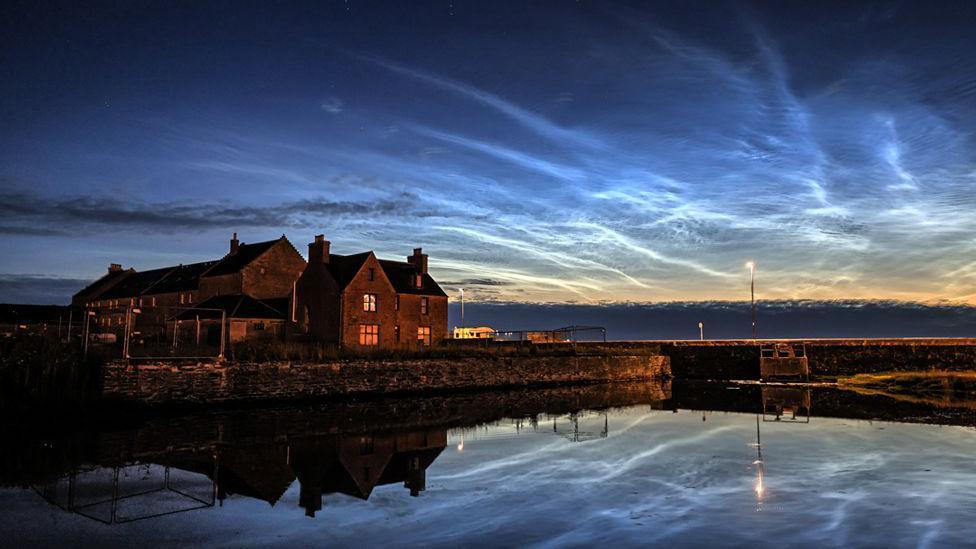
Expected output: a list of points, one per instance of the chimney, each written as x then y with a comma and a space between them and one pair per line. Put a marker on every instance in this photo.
234, 244
318, 251
418, 260
114, 267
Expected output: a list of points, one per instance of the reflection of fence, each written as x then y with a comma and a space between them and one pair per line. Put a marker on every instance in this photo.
158, 332
128, 493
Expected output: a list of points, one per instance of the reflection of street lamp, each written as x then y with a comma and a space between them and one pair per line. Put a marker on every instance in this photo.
701, 331
760, 469
460, 446
752, 290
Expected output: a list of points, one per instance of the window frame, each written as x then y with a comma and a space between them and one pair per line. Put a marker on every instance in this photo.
424, 336
370, 303
369, 335
424, 305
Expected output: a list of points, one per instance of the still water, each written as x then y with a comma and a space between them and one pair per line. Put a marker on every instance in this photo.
592, 466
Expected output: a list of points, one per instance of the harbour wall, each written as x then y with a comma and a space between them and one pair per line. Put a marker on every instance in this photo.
828, 358
214, 383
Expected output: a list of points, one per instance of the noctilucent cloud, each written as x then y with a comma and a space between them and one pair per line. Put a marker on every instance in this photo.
546, 152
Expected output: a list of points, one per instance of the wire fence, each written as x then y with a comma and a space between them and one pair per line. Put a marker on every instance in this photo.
155, 332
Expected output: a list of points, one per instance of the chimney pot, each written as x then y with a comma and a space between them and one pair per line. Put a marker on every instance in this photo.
114, 267
234, 244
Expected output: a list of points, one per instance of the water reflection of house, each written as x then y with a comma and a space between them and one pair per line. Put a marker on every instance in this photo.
350, 465
356, 465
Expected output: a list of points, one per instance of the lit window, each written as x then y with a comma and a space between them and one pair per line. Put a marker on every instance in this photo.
366, 446
369, 334
189, 298
418, 281
369, 303
154, 302
423, 305
181, 299
423, 335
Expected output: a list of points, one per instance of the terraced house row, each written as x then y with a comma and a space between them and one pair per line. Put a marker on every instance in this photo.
268, 290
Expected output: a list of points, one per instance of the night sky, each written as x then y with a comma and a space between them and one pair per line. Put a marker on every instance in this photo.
561, 152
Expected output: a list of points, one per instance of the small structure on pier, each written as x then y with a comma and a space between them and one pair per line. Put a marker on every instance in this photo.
783, 361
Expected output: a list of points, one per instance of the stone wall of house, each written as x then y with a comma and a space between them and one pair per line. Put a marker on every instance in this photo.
274, 273
385, 315
216, 383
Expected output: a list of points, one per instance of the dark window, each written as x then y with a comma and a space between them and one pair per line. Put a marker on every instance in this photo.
372, 273
423, 305
396, 332
397, 303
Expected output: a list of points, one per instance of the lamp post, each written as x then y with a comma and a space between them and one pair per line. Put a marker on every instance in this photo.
129, 314
701, 331
752, 291
86, 331
462, 307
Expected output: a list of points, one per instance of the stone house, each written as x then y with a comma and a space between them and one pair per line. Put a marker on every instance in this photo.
360, 301
264, 271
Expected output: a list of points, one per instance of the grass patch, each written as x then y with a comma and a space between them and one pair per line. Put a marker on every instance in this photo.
947, 388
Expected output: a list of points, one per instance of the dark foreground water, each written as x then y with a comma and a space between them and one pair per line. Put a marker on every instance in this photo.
500, 469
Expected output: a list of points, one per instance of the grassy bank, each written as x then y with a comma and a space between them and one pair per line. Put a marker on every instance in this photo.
933, 386
42, 371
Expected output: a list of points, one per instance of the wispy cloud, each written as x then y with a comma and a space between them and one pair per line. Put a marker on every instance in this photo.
526, 118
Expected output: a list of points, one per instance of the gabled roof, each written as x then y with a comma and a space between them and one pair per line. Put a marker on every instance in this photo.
246, 253
182, 278
343, 268
401, 276
234, 306
135, 284
106, 281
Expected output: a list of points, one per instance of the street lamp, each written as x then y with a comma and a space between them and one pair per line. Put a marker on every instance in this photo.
701, 331
752, 290
462, 307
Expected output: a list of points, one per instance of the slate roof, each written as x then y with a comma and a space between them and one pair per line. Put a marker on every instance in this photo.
236, 306
182, 278
344, 267
103, 283
135, 284
401, 276
246, 253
